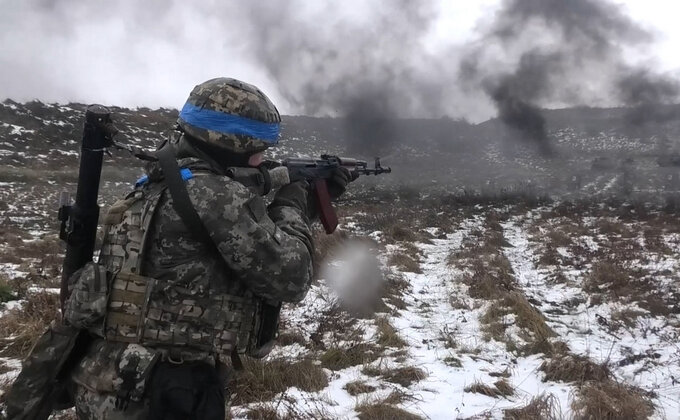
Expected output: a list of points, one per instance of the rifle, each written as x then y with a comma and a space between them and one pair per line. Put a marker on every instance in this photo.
317, 171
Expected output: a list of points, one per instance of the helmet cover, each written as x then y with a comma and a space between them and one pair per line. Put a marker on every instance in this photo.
231, 115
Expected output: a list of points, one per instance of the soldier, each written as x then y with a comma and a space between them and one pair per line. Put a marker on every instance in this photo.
195, 283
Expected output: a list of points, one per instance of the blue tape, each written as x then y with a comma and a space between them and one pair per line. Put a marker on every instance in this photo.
220, 122
184, 172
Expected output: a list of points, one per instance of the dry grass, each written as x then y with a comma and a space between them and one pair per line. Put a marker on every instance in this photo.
625, 318
611, 400
549, 257
613, 279
6, 291
337, 325
373, 371
404, 263
654, 241
404, 376
341, 358
501, 388
542, 407
358, 387
286, 338
262, 380
387, 334
399, 233
453, 361
383, 411
447, 337
571, 368
325, 245
265, 412
533, 328
21, 327
384, 408
393, 291
492, 277
614, 228
609, 277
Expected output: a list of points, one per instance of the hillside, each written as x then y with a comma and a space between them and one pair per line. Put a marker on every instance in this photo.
495, 282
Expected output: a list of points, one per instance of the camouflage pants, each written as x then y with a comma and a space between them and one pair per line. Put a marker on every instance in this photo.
95, 406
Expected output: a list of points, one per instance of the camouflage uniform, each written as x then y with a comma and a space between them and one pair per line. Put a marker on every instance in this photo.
199, 301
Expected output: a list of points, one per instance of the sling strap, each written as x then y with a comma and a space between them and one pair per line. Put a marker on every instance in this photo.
180, 196
186, 210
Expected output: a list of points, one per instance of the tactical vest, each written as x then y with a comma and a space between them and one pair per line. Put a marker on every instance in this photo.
217, 323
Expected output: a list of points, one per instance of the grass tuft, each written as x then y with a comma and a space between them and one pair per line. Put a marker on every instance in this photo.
387, 334
21, 327
341, 358
611, 400
262, 380
542, 407
571, 368
358, 387
404, 263
501, 388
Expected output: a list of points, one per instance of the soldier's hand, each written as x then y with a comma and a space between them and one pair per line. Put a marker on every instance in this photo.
337, 183
296, 194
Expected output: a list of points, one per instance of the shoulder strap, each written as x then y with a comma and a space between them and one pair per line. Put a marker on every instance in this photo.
183, 206
180, 196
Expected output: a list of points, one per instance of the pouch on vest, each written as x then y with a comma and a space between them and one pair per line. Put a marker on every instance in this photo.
264, 340
87, 305
40, 385
116, 368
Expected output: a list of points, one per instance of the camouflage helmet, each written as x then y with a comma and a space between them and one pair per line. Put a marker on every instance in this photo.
231, 115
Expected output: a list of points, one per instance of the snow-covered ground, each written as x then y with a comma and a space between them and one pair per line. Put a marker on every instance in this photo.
429, 324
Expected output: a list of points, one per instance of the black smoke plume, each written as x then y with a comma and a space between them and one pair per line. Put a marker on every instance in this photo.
560, 52
650, 96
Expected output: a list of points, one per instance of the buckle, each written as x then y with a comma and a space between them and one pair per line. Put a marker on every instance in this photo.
175, 357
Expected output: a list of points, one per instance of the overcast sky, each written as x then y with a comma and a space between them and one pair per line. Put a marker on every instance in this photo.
152, 52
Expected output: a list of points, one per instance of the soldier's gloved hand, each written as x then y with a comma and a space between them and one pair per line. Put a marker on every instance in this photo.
337, 183
296, 194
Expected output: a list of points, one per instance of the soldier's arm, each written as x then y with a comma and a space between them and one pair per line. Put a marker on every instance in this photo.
270, 251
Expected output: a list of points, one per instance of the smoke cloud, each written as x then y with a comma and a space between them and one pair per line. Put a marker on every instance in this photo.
563, 53
367, 62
